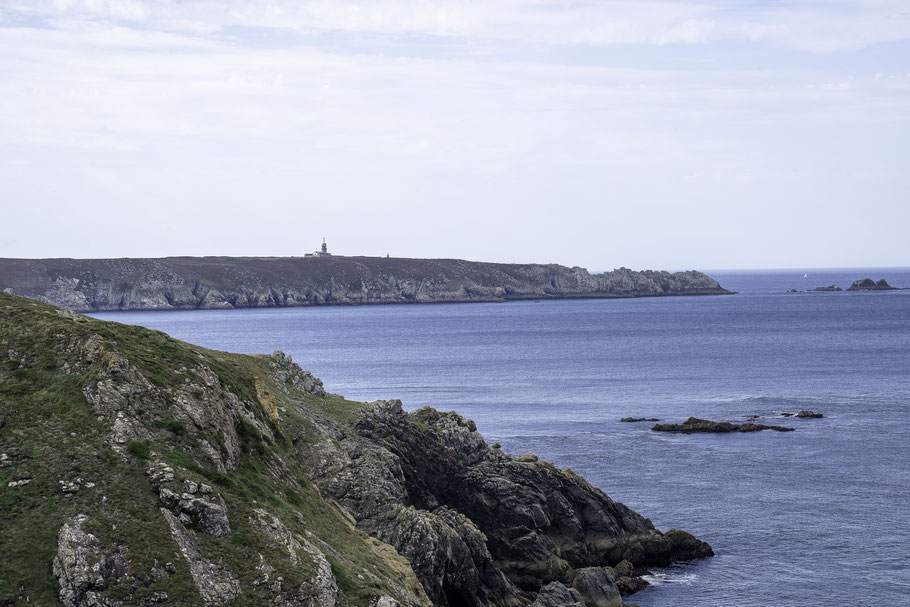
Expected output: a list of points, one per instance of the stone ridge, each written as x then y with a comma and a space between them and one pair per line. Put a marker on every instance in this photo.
186, 283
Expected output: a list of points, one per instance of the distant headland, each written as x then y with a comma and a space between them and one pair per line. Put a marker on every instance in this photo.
187, 283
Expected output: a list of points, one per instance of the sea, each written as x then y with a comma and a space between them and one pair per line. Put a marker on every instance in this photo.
815, 517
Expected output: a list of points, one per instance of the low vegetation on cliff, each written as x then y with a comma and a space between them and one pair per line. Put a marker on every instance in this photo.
139, 470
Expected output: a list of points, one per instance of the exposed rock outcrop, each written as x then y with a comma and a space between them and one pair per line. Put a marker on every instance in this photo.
867, 284
556, 594
828, 288
218, 479
640, 419
84, 568
215, 584
187, 283
693, 425
809, 414
512, 524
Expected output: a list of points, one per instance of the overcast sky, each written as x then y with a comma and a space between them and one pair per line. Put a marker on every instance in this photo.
689, 134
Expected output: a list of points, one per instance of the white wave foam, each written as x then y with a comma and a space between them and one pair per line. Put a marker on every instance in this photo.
668, 577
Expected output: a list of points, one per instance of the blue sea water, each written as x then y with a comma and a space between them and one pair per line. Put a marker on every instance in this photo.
816, 517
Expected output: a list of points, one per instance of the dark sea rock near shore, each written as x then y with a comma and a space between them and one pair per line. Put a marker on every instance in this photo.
640, 419
140, 470
809, 414
693, 425
867, 284
187, 283
828, 288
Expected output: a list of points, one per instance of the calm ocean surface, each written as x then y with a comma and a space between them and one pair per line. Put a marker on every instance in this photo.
816, 517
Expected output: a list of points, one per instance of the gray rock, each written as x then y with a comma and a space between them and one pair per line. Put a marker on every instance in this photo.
83, 567
322, 590
597, 587
477, 526
809, 414
556, 594
215, 584
290, 373
867, 284
201, 513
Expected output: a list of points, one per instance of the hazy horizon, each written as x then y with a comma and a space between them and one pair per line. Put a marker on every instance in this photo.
696, 134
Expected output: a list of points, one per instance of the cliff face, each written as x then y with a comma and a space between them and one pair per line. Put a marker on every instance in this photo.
241, 282
139, 470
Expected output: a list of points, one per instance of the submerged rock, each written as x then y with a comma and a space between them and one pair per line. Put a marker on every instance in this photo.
693, 425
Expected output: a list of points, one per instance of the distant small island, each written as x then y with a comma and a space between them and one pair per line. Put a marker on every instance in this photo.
867, 284
694, 425
862, 284
321, 278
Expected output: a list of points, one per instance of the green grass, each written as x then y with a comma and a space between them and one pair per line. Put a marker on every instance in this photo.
139, 448
57, 436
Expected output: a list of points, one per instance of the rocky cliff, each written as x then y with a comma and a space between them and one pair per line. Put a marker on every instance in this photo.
184, 283
139, 470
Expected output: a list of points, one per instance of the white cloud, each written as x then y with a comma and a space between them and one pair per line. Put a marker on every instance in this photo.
802, 24
378, 120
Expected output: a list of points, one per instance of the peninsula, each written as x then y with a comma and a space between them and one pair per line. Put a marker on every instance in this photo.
187, 283
139, 470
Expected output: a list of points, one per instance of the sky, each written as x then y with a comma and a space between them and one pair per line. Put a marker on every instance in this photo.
676, 135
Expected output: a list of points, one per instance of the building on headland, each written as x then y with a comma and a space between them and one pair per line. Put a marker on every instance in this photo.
323, 253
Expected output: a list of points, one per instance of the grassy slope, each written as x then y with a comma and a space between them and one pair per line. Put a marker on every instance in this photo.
52, 434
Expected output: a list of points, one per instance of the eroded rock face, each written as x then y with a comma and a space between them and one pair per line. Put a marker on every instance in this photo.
481, 527
225, 283
321, 591
204, 513
84, 568
216, 585
290, 373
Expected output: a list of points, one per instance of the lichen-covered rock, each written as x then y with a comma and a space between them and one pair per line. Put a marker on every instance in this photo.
322, 590
204, 513
290, 373
216, 585
84, 568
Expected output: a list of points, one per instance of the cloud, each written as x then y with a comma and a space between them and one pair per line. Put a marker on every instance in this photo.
802, 24
500, 118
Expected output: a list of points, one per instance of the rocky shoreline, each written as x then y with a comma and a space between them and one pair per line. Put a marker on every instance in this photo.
140, 470
190, 283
